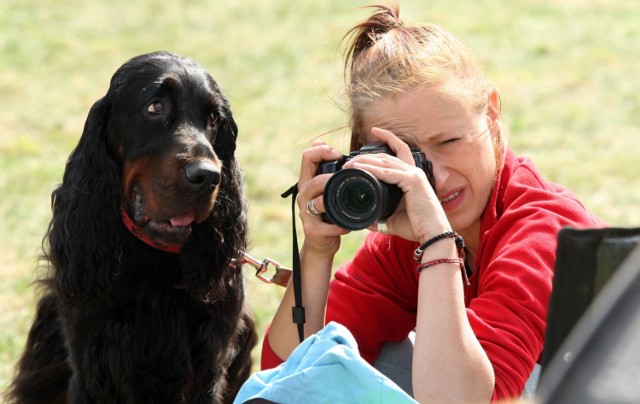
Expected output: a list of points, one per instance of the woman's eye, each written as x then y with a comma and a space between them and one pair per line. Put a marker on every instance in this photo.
156, 108
450, 140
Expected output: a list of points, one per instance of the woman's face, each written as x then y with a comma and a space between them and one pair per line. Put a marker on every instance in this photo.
455, 137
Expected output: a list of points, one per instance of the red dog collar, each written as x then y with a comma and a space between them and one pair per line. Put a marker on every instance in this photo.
137, 231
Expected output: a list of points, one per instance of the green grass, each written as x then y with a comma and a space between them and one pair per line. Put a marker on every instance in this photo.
567, 72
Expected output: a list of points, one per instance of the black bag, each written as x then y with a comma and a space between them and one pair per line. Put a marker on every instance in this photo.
599, 360
585, 260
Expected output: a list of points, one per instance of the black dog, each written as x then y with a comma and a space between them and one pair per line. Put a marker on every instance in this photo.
142, 303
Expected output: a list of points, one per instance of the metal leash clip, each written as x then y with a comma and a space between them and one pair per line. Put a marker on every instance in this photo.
280, 277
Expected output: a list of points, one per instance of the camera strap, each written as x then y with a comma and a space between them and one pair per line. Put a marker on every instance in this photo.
297, 311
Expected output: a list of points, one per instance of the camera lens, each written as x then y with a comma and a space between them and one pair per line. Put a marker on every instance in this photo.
354, 199
357, 196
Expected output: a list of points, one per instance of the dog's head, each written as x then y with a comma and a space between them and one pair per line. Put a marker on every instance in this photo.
171, 130
157, 151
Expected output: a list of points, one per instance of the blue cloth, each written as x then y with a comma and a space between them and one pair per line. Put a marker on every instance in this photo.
325, 368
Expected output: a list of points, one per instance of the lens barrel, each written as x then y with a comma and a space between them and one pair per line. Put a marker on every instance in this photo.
354, 199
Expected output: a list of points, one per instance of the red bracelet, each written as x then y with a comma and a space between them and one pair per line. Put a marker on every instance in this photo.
458, 261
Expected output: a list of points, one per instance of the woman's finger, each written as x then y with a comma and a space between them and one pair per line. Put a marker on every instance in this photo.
397, 145
312, 157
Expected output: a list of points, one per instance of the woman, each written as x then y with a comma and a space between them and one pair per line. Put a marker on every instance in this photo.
475, 339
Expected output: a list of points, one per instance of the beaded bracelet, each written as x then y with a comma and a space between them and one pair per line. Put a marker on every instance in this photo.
459, 261
417, 254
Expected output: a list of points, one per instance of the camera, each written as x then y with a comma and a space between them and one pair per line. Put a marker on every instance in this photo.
354, 199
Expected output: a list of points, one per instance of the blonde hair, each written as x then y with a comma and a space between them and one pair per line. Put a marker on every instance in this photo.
384, 57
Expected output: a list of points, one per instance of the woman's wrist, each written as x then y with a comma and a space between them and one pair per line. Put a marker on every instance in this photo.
448, 234
432, 230
319, 251
445, 250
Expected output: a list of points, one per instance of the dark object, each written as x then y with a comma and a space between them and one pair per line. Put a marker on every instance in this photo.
585, 260
597, 281
354, 199
417, 254
122, 320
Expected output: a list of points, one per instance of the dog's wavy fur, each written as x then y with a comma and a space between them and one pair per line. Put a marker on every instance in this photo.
121, 321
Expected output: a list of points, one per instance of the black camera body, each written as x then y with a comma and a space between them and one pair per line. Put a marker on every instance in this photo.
354, 199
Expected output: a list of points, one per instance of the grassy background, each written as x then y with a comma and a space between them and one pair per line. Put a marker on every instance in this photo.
567, 71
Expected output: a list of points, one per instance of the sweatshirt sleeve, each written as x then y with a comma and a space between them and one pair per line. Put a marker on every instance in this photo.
268, 358
373, 295
517, 260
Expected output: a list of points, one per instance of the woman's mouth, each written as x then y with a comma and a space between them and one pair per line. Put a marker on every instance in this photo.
451, 200
450, 197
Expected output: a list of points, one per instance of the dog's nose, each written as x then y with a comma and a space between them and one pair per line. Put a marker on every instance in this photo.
202, 176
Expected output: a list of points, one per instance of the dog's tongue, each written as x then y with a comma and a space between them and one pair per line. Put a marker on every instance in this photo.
183, 220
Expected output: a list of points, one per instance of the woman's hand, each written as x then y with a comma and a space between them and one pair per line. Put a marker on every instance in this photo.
321, 242
321, 238
419, 215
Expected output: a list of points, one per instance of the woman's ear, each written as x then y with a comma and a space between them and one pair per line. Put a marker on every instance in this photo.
493, 111
496, 126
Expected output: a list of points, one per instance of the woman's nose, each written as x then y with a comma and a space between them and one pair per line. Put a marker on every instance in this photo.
440, 173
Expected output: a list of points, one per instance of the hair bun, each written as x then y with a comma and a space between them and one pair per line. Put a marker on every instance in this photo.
385, 19
365, 34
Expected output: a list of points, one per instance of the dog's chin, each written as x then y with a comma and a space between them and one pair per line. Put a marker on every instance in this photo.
167, 229
165, 233
172, 231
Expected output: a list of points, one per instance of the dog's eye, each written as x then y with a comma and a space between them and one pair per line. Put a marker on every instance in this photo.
156, 108
213, 119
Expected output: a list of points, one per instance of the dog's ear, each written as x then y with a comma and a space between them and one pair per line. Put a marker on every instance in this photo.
225, 143
83, 234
